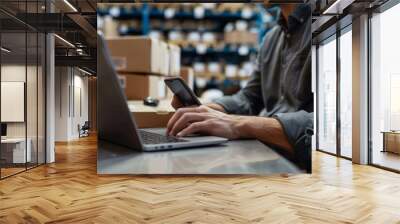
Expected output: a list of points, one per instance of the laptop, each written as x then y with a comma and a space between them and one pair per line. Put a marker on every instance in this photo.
116, 123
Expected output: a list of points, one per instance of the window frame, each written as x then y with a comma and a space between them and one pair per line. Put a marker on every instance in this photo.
378, 10
333, 37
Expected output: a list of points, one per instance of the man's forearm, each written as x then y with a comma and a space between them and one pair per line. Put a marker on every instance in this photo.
267, 130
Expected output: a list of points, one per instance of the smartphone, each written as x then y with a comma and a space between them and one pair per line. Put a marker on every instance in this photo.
182, 91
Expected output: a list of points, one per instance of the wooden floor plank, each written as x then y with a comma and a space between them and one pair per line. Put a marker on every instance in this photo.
70, 191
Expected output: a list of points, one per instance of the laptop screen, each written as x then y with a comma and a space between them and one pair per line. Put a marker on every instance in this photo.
115, 121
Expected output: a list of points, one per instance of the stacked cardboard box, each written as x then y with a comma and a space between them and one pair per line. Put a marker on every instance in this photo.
232, 7
139, 86
164, 58
241, 37
175, 59
187, 74
142, 63
138, 55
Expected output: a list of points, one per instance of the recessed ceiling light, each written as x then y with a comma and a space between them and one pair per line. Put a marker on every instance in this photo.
70, 5
338, 6
86, 72
65, 41
5, 50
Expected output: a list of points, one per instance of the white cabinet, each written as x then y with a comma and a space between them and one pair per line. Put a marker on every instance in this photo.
15, 149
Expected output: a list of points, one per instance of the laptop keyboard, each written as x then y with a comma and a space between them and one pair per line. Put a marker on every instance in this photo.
154, 138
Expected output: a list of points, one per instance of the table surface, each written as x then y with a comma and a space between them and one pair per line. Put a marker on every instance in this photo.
138, 106
234, 157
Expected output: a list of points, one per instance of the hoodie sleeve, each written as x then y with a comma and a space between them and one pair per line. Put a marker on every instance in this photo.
298, 127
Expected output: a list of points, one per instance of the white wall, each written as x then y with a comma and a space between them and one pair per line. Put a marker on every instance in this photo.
80, 110
13, 101
16, 73
71, 102
33, 126
62, 80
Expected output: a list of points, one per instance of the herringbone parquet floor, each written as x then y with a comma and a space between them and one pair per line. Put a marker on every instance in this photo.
70, 191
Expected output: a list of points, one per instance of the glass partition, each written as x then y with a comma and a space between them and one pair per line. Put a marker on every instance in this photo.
346, 93
31, 100
14, 153
385, 89
327, 96
22, 88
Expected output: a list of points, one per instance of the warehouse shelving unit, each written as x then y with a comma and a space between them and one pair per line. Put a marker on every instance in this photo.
142, 19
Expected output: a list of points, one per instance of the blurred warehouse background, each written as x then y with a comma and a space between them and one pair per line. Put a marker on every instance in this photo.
219, 41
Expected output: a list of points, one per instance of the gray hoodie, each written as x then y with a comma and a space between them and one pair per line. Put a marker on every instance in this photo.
281, 84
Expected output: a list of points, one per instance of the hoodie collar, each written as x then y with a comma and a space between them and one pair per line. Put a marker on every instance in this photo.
298, 17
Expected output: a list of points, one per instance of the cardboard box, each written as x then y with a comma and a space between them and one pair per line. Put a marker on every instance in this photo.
174, 59
392, 142
232, 7
241, 37
187, 74
151, 117
138, 87
110, 27
138, 55
164, 58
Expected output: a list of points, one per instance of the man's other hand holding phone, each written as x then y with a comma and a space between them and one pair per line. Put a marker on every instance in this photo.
176, 103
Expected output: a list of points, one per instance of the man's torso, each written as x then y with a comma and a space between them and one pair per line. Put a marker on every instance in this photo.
285, 67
